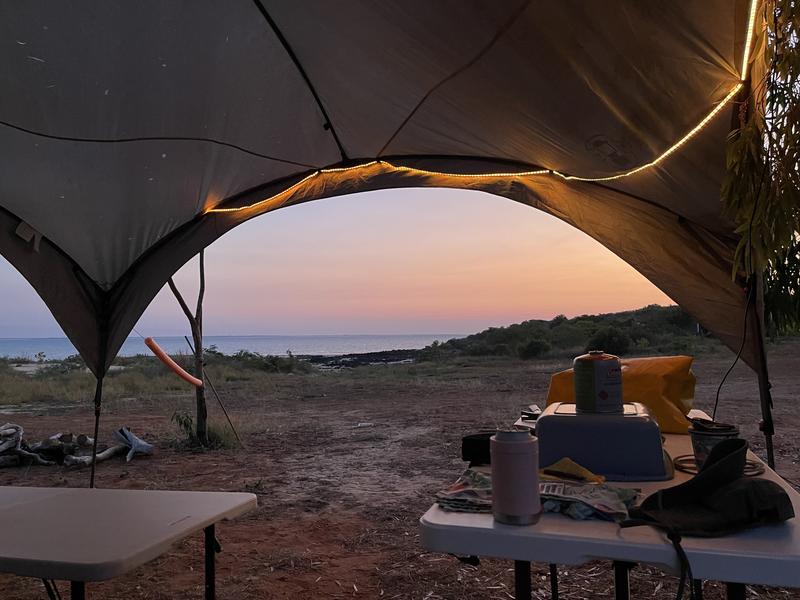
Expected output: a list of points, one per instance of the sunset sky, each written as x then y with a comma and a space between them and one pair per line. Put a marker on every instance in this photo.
399, 261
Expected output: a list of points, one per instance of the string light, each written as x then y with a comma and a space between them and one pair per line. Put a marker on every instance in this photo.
340, 169
473, 175
265, 200
290, 188
697, 128
750, 30
499, 175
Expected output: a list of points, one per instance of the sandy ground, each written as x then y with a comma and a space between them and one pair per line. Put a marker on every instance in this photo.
345, 463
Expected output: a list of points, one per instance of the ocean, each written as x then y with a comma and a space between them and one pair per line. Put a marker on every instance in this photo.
327, 345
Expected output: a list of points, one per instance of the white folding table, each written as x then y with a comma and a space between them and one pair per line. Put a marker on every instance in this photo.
83, 535
767, 555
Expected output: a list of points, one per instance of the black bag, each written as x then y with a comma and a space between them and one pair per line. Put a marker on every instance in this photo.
717, 501
475, 448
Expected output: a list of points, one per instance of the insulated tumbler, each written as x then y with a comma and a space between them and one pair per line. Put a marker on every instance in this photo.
515, 477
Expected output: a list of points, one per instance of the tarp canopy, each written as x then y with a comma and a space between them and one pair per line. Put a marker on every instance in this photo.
134, 134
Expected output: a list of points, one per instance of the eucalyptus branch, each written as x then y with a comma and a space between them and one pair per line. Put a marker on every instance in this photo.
761, 193
201, 292
182, 302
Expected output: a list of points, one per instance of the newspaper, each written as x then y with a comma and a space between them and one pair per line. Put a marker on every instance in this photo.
472, 492
587, 501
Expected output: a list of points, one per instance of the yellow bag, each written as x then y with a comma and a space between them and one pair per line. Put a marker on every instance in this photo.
664, 384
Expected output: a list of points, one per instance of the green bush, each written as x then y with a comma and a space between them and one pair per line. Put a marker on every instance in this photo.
219, 436
567, 336
288, 364
649, 330
244, 359
610, 339
533, 349
436, 351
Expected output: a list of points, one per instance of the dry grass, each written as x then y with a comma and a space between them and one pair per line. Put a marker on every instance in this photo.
61, 383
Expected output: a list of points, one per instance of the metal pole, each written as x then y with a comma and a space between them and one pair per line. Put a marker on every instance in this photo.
767, 425
522, 580
697, 589
52, 590
98, 398
77, 590
735, 591
622, 584
553, 582
210, 550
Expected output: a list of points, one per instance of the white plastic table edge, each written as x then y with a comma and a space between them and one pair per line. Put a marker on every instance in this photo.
233, 505
768, 555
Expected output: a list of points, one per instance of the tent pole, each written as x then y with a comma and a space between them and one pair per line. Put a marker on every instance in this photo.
767, 425
98, 397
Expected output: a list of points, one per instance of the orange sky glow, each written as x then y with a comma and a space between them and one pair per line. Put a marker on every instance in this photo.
398, 261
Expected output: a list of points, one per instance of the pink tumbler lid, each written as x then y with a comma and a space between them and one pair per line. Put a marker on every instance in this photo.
512, 435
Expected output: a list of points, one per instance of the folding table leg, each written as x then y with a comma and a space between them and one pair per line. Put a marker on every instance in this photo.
735, 591
522, 580
622, 585
77, 590
697, 588
52, 590
553, 582
210, 550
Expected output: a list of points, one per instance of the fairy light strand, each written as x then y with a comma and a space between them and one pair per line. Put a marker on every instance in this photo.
671, 150
499, 175
473, 175
748, 42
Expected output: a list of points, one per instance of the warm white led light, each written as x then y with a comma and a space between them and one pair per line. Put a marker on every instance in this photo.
748, 42
669, 151
695, 130
340, 169
265, 200
472, 175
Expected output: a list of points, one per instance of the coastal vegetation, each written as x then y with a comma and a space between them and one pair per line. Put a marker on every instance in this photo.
646, 331
649, 330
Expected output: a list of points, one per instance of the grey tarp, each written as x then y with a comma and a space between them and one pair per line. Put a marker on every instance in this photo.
126, 126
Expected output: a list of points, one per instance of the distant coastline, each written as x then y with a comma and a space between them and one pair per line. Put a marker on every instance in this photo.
58, 348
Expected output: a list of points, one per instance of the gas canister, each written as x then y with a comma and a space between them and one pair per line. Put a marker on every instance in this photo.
598, 383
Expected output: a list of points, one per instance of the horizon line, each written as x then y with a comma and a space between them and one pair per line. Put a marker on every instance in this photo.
233, 335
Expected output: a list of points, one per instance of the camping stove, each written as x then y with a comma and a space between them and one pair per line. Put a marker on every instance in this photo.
621, 447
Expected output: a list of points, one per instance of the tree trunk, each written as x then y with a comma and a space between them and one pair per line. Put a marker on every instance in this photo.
196, 324
197, 335
201, 421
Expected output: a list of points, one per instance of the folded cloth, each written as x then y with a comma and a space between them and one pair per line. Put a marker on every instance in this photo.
472, 492
568, 469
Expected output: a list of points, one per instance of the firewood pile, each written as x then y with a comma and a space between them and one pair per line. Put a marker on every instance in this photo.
65, 449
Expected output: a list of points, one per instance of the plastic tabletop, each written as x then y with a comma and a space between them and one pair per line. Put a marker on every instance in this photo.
768, 555
96, 534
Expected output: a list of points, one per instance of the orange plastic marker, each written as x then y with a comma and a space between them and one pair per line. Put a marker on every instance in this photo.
165, 358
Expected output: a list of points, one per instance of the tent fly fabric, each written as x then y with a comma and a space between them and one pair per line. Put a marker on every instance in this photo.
134, 134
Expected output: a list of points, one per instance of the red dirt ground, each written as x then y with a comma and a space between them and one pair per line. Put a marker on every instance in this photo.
345, 463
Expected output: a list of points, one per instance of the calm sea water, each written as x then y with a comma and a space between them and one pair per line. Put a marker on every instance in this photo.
58, 348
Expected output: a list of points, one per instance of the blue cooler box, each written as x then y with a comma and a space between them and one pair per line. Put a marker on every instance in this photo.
621, 447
